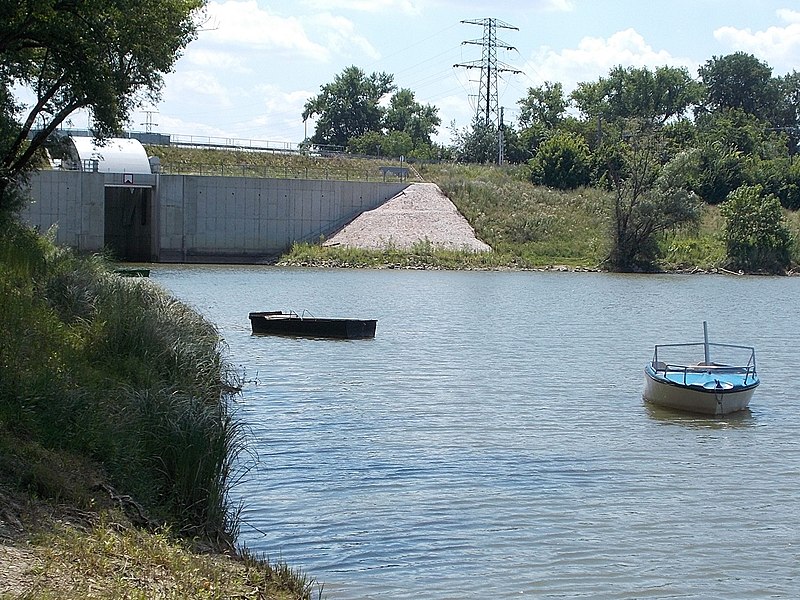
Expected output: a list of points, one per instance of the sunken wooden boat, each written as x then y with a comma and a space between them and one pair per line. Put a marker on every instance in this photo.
292, 324
132, 272
705, 387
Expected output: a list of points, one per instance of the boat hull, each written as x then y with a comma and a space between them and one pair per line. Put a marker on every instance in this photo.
272, 323
696, 398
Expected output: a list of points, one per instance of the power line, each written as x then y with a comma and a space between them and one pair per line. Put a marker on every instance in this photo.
487, 108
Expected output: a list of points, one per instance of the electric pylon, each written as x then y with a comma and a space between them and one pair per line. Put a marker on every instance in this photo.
487, 108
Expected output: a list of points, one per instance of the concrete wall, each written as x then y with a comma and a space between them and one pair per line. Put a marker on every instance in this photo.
73, 201
236, 218
205, 219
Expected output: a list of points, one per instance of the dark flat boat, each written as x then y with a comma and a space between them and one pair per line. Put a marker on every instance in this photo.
281, 323
132, 272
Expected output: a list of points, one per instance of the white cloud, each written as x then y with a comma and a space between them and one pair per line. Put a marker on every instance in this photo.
788, 15
387, 7
173, 125
595, 57
340, 37
506, 6
559, 5
197, 84
215, 59
778, 46
243, 23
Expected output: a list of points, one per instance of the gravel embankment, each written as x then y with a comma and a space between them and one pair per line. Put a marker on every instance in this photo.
420, 212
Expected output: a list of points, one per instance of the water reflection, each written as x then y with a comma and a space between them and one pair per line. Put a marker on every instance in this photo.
667, 416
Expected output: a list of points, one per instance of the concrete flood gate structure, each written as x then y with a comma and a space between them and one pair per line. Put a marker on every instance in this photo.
146, 217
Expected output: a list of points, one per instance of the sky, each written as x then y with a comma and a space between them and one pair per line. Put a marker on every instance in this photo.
255, 63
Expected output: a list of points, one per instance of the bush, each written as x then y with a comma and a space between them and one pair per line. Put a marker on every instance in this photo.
756, 238
781, 178
719, 172
562, 162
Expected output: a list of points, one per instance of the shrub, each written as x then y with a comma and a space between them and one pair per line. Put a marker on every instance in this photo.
562, 162
720, 171
756, 238
781, 177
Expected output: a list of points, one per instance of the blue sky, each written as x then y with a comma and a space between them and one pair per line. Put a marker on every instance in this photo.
256, 62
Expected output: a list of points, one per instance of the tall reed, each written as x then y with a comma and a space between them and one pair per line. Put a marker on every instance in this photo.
118, 369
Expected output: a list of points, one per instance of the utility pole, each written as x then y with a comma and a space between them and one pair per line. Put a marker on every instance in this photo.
487, 109
501, 142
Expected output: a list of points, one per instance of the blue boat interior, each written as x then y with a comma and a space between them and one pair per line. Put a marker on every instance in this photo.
708, 377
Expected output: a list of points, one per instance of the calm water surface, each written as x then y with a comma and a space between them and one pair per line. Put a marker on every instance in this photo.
491, 441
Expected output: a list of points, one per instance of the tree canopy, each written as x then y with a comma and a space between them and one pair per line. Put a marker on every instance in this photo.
407, 115
349, 106
740, 81
639, 93
543, 106
649, 199
351, 111
107, 56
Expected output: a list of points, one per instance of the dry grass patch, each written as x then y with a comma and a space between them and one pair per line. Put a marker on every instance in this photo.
113, 560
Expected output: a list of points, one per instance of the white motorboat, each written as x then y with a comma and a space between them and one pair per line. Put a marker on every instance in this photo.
717, 387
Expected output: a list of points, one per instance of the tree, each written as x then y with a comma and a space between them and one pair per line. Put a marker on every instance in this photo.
717, 171
541, 112
107, 56
562, 162
480, 144
741, 131
653, 97
648, 200
349, 106
756, 238
787, 117
406, 115
781, 177
740, 81
544, 106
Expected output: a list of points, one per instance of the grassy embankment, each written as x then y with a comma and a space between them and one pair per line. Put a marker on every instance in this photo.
117, 438
528, 227
532, 227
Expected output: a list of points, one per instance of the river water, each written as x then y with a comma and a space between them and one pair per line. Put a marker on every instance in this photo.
491, 441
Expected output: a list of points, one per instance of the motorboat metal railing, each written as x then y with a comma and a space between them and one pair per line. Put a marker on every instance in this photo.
748, 369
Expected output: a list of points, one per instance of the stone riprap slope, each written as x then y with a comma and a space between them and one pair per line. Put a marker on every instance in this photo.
420, 212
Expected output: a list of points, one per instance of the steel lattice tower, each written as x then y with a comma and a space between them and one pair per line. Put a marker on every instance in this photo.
488, 109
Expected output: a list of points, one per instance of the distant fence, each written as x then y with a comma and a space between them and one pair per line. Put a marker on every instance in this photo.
205, 141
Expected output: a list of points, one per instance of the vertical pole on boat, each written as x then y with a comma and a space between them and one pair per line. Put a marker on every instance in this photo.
705, 343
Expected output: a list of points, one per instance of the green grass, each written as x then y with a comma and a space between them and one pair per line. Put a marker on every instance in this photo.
527, 224
240, 163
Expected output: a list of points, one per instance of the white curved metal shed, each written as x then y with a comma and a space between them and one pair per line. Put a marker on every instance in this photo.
116, 155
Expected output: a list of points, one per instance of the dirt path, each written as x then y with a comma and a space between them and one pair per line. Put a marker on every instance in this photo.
420, 212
